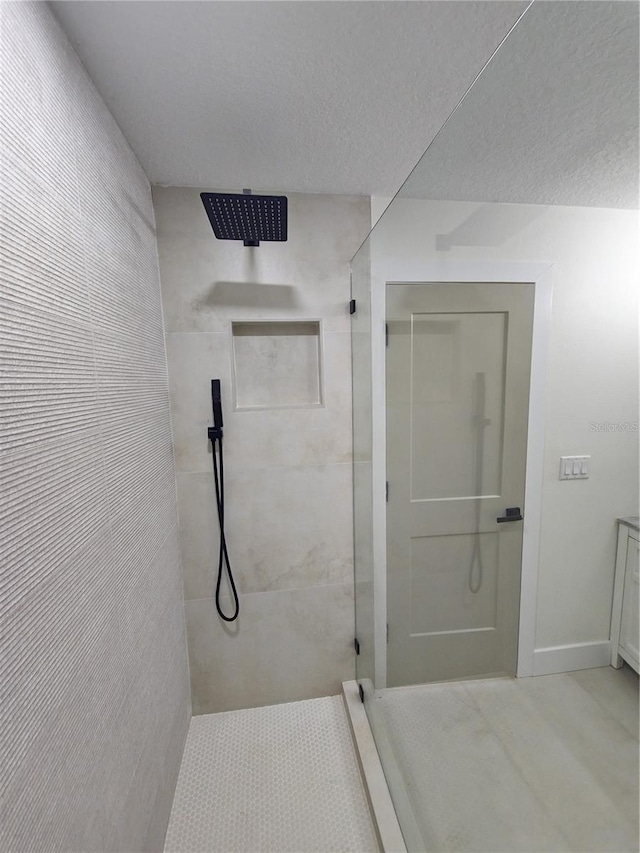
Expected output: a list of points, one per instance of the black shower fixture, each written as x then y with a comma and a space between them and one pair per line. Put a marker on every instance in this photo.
243, 216
214, 434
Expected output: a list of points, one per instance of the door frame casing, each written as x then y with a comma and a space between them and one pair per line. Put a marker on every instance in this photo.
396, 271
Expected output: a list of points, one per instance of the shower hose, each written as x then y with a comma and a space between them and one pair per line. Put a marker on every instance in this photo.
476, 569
223, 556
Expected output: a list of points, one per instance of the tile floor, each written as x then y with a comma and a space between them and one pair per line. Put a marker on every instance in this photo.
547, 763
279, 778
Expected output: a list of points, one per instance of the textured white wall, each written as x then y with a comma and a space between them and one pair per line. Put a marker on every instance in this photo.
288, 470
592, 379
94, 692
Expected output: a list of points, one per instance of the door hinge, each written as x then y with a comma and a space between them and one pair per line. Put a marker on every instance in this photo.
386, 491
387, 632
361, 692
386, 334
356, 646
352, 306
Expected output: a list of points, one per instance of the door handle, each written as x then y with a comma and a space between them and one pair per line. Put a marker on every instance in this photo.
512, 514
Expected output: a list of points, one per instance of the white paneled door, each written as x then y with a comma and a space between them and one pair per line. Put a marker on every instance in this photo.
458, 368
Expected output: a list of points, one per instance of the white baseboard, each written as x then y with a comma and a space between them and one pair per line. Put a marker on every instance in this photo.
569, 658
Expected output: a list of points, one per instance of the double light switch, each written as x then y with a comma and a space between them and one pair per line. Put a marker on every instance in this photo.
574, 467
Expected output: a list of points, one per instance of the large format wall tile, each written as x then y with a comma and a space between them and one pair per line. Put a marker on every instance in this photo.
94, 692
319, 226
194, 360
300, 521
288, 469
286, 645
259, 438
205, 285
208, 282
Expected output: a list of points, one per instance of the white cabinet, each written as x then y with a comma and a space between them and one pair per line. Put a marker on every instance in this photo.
625, 630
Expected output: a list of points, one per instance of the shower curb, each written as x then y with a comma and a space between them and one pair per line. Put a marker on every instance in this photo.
383, 813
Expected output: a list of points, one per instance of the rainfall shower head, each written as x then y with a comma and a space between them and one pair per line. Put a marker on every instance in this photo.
242, 216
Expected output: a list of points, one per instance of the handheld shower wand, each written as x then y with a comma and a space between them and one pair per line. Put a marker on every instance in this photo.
216, 402
214, 434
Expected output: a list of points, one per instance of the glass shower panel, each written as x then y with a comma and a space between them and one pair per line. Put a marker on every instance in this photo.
362, 462
536, 167
457, 390
457, 377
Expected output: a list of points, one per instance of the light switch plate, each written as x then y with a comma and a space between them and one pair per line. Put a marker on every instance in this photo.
574, 467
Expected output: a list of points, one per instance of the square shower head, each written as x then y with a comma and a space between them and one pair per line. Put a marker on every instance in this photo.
243, 216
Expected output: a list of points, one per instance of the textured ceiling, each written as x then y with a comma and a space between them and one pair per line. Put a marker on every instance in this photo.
553, 119
343, 97
335, 97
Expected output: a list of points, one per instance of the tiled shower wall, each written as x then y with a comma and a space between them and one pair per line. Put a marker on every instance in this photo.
94, 689
288, 469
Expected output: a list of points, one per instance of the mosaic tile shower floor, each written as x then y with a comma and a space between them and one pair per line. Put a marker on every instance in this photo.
279, 778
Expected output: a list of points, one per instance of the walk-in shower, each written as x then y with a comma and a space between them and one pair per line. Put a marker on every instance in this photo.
483, 583
252, 219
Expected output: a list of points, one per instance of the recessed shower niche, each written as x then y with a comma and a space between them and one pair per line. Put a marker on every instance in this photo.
277, 364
